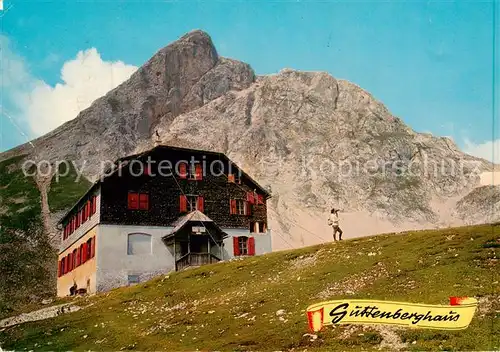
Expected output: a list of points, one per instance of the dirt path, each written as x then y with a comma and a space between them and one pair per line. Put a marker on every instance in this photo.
41, 314
43, 184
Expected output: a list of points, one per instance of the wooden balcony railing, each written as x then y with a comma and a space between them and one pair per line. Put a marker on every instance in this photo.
195, 259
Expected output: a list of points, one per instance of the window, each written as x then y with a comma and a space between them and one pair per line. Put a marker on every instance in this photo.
88, 249
183, 170
191, 203
192, 171
138, 201
139, 243
70, 262
143, 201
74, 257
243, 245
241, 207
254, 226
133, 201
83, 252
234, 178
88, 208
262, 227
62, 267
94, 204
84, 212
133, 279
78, 256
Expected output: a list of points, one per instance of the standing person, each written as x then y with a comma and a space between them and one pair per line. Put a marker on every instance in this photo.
72, 289
334, 221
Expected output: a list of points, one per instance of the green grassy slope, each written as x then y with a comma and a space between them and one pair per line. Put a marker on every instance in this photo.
24, 248
232, 306
27, 260
19, 197
66, 189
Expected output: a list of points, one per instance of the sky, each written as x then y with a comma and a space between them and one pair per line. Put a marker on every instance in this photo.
430, 62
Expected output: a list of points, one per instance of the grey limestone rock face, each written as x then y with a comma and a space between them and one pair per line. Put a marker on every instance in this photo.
315, 140
181, 77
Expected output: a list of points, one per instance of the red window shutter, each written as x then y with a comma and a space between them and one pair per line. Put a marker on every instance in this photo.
143, 201
232, 206
198, 172
250, 198
248, 208
236, 247
260, 199
70, 262
78, 258
94, 204
251, 246
74, 258
230, 178
182, 170
200, 204
133, 200
77, 220
59, 269
88, 255
92, 251
183, 204
84, 253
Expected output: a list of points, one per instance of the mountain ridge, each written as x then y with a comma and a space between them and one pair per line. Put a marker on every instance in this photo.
193, 97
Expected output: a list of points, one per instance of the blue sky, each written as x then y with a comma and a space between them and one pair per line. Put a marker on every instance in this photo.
429, 62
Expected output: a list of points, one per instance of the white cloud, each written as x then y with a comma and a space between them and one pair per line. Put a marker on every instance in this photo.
487, 150
44, 107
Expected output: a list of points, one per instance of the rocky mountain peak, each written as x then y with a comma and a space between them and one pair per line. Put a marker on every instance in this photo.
179, 78
314, 140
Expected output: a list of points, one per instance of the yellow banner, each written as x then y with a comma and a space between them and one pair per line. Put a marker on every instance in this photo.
455, 316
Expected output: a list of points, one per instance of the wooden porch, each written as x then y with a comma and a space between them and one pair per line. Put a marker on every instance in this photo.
195, 259
196, 240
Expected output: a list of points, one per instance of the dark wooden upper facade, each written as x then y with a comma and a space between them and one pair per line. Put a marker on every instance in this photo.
216, 187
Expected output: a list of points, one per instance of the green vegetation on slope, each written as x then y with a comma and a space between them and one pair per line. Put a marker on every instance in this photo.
19, 197
27, 260
24, 247
236, 305
66, 188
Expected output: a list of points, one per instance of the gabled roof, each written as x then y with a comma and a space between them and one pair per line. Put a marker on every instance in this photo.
194, 216
218, 154
124, 161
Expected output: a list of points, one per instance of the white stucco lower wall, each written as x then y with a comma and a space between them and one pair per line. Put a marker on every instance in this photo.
114, 265
263, 242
